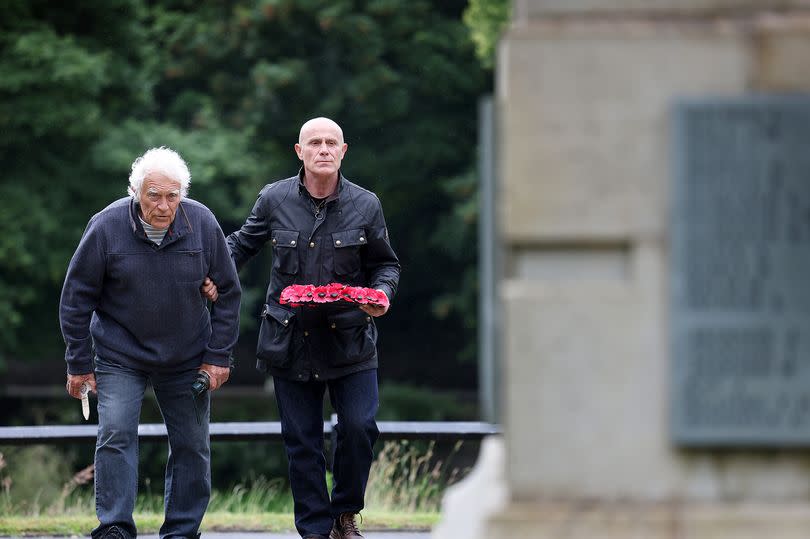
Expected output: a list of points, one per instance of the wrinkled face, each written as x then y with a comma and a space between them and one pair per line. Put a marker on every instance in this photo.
321, 147
159, 198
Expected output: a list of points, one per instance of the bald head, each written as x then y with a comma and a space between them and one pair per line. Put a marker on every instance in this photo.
319, 124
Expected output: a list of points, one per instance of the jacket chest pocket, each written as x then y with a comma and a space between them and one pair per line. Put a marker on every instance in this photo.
186, 266
285, 251
347, 245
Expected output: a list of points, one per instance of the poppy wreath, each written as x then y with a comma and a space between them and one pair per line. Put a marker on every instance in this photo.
308, 294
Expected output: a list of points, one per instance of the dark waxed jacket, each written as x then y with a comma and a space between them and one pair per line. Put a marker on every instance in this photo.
347, 243
139, 304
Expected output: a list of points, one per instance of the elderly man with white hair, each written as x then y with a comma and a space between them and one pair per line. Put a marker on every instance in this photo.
131, 313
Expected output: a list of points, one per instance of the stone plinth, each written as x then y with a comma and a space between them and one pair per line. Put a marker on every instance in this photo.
585, 94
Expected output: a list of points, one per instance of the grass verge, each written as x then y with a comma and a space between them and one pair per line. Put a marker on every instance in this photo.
404, 491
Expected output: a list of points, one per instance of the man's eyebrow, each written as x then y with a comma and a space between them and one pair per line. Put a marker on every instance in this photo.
152, 190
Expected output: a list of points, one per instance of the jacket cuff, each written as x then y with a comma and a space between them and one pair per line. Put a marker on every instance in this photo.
77, 368
387, 289
218, 359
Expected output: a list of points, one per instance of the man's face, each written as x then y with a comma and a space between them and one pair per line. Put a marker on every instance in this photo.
321, 148
159, 198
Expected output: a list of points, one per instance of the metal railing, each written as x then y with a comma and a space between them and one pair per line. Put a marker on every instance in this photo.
253, 430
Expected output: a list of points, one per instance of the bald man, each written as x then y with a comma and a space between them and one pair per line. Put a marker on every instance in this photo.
322, 229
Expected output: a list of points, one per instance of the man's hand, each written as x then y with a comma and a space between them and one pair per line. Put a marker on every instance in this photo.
75, 381
375, 310
209, 289
218, 375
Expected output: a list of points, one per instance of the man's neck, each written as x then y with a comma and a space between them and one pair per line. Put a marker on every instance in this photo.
320, 187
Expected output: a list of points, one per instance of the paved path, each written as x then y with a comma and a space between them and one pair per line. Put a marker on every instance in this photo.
259, 535
255, 535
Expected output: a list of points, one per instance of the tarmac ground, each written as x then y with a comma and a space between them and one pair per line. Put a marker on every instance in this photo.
261, 535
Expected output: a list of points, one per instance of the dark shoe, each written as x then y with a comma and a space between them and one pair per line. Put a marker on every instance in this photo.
345, 527
114, 532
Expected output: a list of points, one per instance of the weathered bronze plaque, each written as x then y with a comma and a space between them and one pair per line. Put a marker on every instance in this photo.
740, 316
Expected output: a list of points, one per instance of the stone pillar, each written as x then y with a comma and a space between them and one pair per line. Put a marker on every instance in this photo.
584, 95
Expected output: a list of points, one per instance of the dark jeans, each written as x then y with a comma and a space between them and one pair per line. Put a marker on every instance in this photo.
300, 404
188, 471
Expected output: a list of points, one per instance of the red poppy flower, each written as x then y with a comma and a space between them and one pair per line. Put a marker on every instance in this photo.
334, 291
288, 295
319, 295
295, 293
307, 292
376, 297
356, 293
347, 293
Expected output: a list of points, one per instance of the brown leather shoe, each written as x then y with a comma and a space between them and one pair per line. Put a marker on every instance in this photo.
345, 527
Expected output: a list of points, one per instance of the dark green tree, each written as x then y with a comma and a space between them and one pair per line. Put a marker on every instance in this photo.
67, 74
86, 87
399, 76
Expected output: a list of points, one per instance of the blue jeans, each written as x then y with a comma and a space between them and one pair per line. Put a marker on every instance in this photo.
188, 471
355, 400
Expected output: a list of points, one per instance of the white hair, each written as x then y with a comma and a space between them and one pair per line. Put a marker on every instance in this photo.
163, 160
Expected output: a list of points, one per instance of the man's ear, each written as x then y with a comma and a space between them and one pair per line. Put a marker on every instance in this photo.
298, 151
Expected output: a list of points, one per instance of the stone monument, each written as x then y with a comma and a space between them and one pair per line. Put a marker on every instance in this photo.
601, 355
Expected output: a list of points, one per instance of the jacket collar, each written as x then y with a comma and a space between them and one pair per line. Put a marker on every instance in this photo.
302, 190
179, 227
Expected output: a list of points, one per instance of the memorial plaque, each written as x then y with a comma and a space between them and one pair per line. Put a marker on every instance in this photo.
740, 316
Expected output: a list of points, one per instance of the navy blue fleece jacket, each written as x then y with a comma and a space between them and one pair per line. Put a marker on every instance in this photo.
137, 303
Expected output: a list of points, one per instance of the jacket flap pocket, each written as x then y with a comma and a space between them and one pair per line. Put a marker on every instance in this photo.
348, 319
349, 238
284, 238
277, 313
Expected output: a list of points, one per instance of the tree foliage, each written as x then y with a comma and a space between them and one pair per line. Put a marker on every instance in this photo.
88, 86
487, 19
